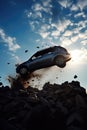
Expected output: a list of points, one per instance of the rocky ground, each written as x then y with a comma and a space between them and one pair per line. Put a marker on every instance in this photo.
55, 107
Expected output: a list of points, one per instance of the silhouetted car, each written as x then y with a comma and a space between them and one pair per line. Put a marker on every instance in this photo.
51, 56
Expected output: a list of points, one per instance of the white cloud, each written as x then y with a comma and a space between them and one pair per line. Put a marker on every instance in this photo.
37, 40
74, 38
82, 4
49, 29
44, 31
38, 14
80, 14
84, 42
82, 35
44, 34
46, 3
34, 24
84, 54
11, 42
55, 33
61, 25
45, 27
74, 8
28, 13
16, 58
67, 33
78, 27
82, 24
33, 15
65, 41
75, 30
37, 7
65, 3
46, 7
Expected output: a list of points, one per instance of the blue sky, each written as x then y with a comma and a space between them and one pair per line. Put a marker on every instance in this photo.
27, 24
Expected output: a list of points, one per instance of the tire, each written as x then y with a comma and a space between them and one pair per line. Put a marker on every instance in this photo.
60, 62
23, 71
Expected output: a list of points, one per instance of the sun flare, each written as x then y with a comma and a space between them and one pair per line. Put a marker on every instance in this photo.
77, 56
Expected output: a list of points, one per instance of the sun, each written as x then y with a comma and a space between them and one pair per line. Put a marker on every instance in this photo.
77, 56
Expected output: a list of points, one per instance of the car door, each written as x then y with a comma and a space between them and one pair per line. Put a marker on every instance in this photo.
42, 60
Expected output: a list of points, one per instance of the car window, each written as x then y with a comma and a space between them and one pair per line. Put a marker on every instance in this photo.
42, 52
49, 50
34, 57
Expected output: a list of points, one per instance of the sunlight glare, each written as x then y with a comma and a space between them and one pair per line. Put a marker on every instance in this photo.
77, 56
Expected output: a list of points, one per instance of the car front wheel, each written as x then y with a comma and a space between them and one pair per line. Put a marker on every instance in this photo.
23, 71
60, 62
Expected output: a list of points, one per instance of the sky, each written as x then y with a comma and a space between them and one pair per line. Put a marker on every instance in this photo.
35, 24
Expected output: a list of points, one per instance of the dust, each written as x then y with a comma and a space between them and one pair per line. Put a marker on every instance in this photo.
36, 79
23, 81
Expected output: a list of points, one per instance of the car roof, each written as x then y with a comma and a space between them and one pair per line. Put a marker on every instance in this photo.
46, 50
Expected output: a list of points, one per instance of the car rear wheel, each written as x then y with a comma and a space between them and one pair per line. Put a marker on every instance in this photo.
60, 62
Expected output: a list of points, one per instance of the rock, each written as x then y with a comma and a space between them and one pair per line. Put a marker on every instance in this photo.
8, 63
56, 106
38, 47
75, 76
26, 51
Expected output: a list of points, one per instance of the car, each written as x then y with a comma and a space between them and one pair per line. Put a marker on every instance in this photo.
55, 55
